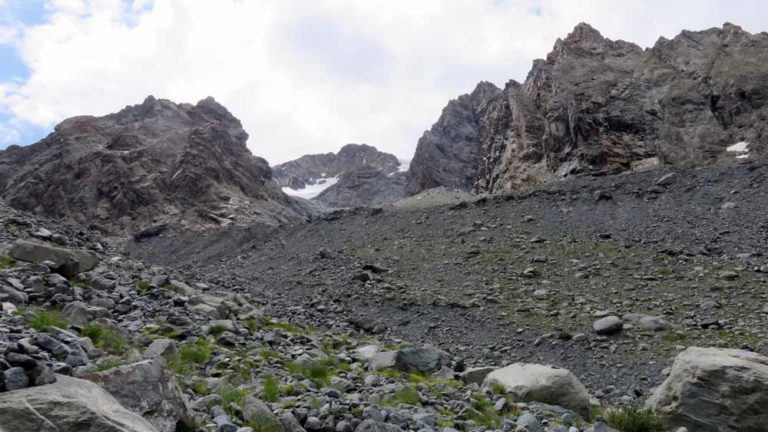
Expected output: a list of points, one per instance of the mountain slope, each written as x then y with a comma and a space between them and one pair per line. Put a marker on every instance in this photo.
597, 106
157, 162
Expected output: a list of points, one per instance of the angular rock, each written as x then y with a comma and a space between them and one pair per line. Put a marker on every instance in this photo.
713, 390
149, 389
376, 426
422, 360
69, 262
71, 405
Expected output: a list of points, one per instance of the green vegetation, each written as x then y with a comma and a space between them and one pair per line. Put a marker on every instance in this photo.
289, 390
42, 320
6, 261
270, 391
191, 355
498, 389
267, 354
264, 424
319, 372
143, 286
200, 387
105, 338
232, 396
484, 413
405, 395
634, 419
251, 324
217, 330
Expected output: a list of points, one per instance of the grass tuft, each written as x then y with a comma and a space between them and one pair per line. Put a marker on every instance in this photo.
190, 356
406, 395
270, 391
105, 338
634, 419
42, 319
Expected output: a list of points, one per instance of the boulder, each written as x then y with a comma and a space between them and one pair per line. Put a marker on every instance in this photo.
608, 325
382, 360
149, 389
529, 382
69, 262
715, 390
422, 360
71, 405
475, 375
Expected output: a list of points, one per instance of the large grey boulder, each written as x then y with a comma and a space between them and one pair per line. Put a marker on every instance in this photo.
149, 389
68, 405
529, 382
69, 262
715, 390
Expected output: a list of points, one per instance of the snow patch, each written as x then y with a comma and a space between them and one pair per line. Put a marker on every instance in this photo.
312, 190
741, 146
404, 165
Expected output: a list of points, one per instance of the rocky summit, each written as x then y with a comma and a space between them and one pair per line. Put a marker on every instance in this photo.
148, 165
155, 278
596, 106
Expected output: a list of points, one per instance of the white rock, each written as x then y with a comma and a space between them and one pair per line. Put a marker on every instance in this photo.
529, 382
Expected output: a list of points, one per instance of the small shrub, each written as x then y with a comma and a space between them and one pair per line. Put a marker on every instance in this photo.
405, 395
319, 372
267, 354
190, 355
200, 387
105, 338
270, 391
634, 419
42, 320
6, 261
251, 324
264, 424
289, 390
143, 286
217, 330
232, 396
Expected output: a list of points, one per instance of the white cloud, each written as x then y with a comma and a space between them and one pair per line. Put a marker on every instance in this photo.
308, 76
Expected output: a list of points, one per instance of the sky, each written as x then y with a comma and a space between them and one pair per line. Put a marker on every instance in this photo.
303, 76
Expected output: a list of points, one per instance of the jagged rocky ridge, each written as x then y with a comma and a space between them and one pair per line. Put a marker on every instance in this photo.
597, 106
153, 163
358, 175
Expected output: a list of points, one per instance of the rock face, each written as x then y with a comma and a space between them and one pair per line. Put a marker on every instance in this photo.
306, 170
540, 383
70, 404
712, 389
154, 162
449, 153
597, 106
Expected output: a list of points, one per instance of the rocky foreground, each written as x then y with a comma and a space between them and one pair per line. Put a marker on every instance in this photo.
94, 340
